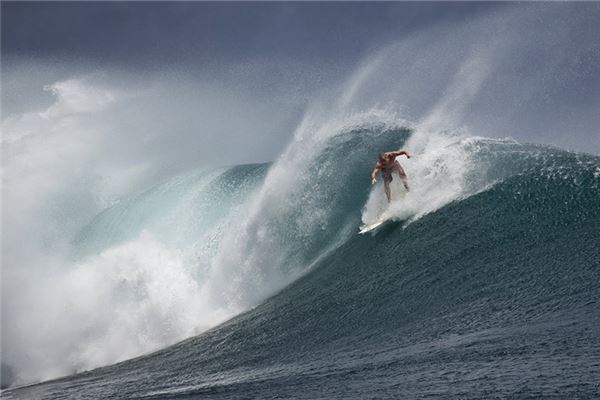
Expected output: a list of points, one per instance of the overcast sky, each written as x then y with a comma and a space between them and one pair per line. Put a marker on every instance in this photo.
288, 52
273, 45
148, 35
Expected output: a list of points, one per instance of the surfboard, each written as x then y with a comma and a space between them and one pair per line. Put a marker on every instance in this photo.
371, 227
398, 194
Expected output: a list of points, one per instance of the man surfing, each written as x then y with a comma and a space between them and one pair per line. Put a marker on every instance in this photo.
387, 164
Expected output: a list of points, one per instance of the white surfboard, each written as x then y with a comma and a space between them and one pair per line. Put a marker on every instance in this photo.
398, 193
371, 227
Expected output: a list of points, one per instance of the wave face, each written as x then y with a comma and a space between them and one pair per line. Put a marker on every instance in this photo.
483, 284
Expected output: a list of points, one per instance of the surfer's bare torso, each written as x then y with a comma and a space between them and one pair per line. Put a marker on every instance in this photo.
387, 164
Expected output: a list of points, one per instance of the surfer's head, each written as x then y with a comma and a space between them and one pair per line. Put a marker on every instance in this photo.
382, 156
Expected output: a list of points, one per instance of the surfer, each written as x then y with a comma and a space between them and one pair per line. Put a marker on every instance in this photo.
387, 164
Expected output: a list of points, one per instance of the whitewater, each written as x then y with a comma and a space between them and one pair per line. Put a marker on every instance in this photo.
249, 280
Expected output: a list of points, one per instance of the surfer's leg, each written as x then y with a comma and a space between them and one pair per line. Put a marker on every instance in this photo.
386, 187
402, 175
405, 184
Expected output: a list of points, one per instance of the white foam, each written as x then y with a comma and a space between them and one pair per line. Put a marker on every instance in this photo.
128, 300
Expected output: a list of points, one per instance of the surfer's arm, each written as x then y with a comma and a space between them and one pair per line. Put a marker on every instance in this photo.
374, 173
399, 153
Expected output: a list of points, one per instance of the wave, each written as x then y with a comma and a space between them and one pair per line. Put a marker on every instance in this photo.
184, 256
508, 261
203, 247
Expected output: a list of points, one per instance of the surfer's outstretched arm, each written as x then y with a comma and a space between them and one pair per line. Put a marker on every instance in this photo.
399, 153
374, 173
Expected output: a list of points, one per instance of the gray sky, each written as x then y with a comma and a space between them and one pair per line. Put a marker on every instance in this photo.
267, 46
285, 54
151, 35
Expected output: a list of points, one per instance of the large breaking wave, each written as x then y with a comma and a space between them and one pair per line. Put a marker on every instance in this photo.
510, 246
112, 280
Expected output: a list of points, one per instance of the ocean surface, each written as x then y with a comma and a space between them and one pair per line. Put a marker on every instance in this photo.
483, 284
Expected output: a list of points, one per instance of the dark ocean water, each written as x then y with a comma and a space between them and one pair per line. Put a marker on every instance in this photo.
494, 295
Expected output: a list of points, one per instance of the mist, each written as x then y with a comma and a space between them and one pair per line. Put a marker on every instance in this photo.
104, 137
